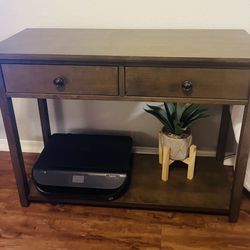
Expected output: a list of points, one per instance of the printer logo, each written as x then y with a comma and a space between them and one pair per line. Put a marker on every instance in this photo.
78, 178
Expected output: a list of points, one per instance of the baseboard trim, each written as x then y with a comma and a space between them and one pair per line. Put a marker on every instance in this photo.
27, 146
37, 146
152, 150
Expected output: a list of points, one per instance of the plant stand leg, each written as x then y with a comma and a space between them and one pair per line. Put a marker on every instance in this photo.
191, 162
160, 149
166, 163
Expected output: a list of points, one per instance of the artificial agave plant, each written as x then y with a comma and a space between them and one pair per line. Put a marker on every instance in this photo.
178, 118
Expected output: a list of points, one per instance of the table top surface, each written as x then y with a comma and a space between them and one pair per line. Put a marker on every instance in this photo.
232, 46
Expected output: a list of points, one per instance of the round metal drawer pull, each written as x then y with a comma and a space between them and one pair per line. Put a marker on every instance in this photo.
187, 87
59, 81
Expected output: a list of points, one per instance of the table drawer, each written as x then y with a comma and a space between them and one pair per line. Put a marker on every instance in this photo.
200, 83
65, 79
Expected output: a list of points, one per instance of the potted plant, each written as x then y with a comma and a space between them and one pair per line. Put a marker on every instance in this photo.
177, 120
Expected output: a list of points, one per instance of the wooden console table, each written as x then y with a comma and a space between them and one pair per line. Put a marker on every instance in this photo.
135, 65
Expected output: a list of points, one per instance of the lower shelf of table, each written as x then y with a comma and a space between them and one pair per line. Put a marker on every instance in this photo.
209, 191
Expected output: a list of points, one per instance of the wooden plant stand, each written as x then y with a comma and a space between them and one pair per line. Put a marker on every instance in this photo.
164, 159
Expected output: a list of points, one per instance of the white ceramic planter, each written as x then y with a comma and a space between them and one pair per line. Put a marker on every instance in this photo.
178, 147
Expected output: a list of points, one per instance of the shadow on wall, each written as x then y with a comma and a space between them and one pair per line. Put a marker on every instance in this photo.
108, 117
57, 109
127, 118
205, 131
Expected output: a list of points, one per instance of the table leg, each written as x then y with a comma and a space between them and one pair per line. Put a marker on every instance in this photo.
222, 140
240, 166
14, 144
44, 118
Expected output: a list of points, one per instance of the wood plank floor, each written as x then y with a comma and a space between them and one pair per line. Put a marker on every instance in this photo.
46, 226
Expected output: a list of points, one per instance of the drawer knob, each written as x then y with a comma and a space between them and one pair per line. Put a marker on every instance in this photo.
187, 87
59, 81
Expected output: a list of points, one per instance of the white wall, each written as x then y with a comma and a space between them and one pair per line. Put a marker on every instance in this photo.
129, 118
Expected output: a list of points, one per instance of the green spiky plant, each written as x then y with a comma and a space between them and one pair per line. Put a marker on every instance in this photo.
178, 118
